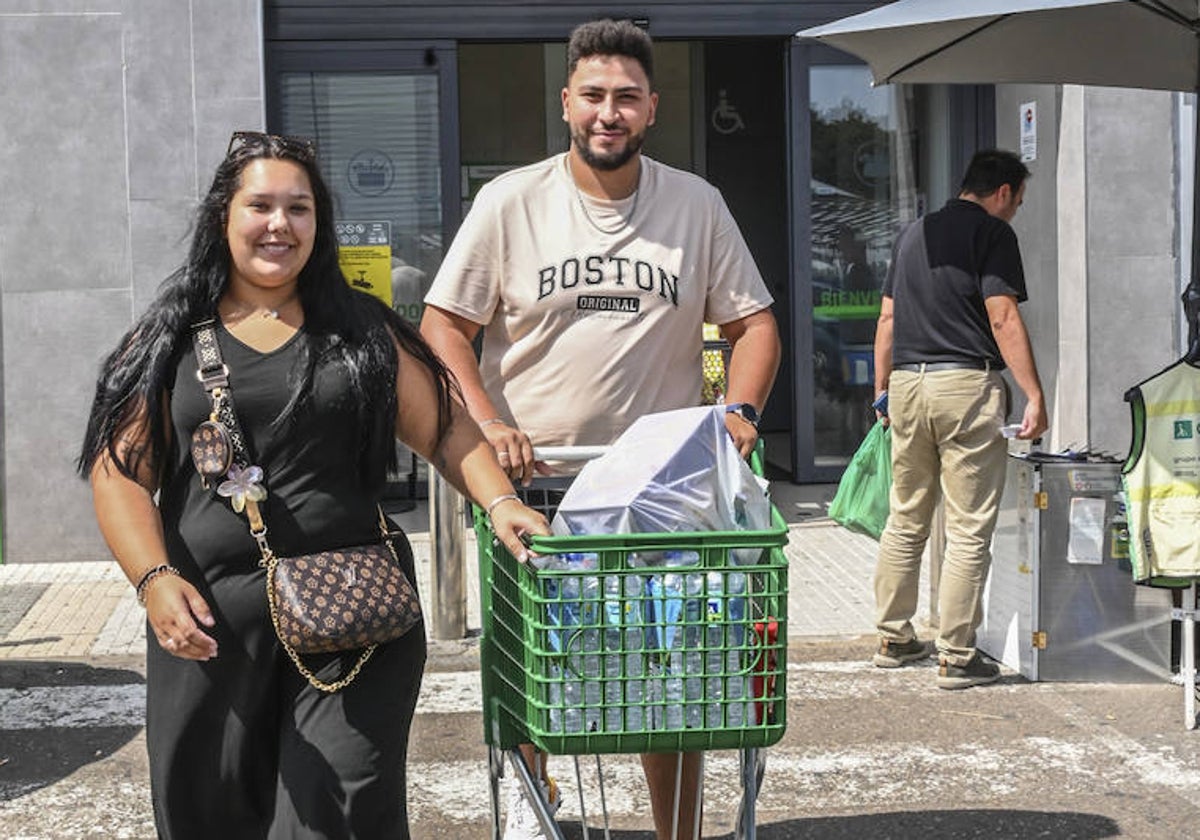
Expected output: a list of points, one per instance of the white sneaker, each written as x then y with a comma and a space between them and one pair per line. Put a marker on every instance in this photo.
522, 822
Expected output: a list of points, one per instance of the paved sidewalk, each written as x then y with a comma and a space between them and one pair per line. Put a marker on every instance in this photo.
68, 610
868, 752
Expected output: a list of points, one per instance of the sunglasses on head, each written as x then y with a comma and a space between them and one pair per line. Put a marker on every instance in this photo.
302, 147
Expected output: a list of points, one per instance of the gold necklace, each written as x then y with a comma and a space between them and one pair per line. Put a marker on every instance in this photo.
625, 220
241, 312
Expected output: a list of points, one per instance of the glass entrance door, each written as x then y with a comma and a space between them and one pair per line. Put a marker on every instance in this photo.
383, 116
880, 157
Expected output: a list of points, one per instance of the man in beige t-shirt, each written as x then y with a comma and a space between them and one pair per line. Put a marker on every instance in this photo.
591, 274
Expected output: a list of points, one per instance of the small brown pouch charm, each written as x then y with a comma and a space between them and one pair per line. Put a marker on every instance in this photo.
212, 451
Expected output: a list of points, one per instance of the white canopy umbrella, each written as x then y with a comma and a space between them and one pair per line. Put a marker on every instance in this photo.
1118, 43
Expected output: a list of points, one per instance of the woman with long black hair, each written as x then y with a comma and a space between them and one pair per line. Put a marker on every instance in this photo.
325, 379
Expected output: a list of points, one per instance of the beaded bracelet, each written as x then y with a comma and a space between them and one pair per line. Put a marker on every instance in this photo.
144, 584
507, 497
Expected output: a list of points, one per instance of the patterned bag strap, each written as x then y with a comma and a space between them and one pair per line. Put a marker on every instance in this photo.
213, 374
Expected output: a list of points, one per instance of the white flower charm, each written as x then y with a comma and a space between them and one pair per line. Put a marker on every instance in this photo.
242, 486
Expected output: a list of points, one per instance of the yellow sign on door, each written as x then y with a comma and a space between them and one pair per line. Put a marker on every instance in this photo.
365, 256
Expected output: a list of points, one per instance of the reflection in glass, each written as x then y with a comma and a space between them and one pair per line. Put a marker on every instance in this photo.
863, 188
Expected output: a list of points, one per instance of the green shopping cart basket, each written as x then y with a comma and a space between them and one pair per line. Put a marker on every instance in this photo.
634, 643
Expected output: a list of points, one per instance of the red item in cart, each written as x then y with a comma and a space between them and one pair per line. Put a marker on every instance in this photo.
765, 676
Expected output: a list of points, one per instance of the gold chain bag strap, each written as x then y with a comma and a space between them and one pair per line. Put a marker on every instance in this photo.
341, 599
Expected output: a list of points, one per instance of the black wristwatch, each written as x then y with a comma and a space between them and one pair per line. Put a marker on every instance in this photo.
744, 410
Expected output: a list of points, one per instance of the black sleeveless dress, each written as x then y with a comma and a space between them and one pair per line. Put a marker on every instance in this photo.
242, 746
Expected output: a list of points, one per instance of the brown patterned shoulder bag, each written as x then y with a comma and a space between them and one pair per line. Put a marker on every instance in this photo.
353, 598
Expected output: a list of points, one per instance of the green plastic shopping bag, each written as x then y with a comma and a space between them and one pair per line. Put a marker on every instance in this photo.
861, 502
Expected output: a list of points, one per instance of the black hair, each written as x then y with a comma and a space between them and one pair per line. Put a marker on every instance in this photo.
341, 325
991, 169
611, 37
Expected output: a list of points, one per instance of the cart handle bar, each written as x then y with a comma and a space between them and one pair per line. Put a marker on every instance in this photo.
587, 453
568, 453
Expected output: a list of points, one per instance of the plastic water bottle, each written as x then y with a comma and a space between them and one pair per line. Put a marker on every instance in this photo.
592, 673
635, 680
613, 608
667, 685
677, 630
572, 694
693, 639
715, 627
554, 698
670, 558
735, 638
563, 594
573, 604
624, 688
610, 664
655, 683
663, 610
673, 692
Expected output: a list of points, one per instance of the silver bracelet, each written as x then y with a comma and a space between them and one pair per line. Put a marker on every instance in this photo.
144, 584
507, 497
489, 421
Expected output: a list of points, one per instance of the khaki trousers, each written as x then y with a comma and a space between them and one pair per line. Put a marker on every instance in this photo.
945, 431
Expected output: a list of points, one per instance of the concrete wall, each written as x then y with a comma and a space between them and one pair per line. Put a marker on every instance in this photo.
1133, 296
1099, 233
115, 115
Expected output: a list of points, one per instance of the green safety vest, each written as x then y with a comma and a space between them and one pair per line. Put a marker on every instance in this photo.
1161, 477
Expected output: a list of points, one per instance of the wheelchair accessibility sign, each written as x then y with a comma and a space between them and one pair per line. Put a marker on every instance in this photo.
725, 117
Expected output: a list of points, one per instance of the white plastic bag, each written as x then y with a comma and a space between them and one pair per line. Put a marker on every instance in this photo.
670, 471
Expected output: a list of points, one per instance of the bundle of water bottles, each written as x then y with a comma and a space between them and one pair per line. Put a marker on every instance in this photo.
661, 631
662, 643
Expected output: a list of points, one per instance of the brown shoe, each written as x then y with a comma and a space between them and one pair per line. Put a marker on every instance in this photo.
894, 654
975, 672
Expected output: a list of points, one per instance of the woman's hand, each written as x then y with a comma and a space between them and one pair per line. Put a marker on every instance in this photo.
513, 523
174, 607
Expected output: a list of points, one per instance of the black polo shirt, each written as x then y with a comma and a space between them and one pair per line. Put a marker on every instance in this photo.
943, 268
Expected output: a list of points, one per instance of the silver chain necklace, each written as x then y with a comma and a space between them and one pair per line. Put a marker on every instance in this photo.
625, 220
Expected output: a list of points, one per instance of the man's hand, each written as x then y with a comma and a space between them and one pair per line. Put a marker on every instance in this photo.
1034, 422
743, 432
514, 451
881, 408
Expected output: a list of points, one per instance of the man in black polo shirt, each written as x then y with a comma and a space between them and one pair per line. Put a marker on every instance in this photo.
948, 324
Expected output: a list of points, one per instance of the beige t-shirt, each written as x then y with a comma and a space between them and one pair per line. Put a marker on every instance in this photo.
587, 330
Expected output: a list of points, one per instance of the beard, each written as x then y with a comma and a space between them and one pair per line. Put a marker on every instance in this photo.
607, 161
